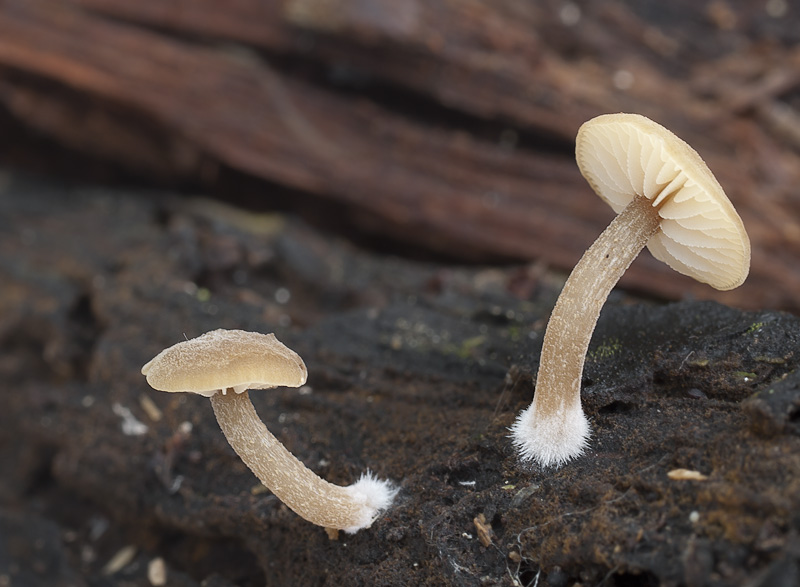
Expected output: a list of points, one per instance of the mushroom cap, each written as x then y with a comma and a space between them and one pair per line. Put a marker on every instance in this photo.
701, 235
223, 359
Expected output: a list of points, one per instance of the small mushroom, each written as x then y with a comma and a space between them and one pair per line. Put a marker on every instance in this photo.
666, 198
223, 365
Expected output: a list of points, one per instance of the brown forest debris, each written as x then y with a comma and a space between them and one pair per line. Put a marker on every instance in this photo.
179, 105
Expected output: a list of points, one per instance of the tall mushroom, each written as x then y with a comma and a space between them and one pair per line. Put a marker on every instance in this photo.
223, 365
667, 199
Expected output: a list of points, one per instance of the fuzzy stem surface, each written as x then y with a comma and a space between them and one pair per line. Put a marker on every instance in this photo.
553, 429
311, 497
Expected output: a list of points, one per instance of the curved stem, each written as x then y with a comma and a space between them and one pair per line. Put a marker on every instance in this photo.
314, 499
554, 429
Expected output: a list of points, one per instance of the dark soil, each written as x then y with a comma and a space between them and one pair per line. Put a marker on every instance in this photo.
416, 370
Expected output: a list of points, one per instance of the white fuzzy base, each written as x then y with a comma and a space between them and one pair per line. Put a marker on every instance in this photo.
552, 441
375, 495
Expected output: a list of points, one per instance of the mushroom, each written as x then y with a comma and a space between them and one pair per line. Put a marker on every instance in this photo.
222, 365
666, 198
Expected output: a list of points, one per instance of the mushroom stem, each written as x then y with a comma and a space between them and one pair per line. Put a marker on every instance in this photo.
314, 499
554, 429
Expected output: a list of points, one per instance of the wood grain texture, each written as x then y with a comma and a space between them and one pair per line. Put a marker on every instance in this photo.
444, 126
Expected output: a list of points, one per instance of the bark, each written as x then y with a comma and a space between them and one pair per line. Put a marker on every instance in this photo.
442, 128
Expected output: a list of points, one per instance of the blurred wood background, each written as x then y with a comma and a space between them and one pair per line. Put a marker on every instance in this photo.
446, 127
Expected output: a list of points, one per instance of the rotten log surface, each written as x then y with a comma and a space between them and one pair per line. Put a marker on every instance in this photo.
443, 126
416, 370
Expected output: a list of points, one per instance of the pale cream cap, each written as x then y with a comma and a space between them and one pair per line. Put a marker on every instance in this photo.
701, 235
223, 359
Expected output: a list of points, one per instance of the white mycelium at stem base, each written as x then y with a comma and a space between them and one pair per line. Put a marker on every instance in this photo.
667, 199
554, 429
312, 498
223, 365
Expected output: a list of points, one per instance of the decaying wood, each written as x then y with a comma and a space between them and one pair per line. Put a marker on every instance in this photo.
175, 89
416, 371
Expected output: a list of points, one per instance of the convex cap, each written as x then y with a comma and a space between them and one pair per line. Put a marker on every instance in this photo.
701, 235
223, 359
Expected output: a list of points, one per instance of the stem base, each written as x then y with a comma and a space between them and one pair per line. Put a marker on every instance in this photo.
314, 499
554, 429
